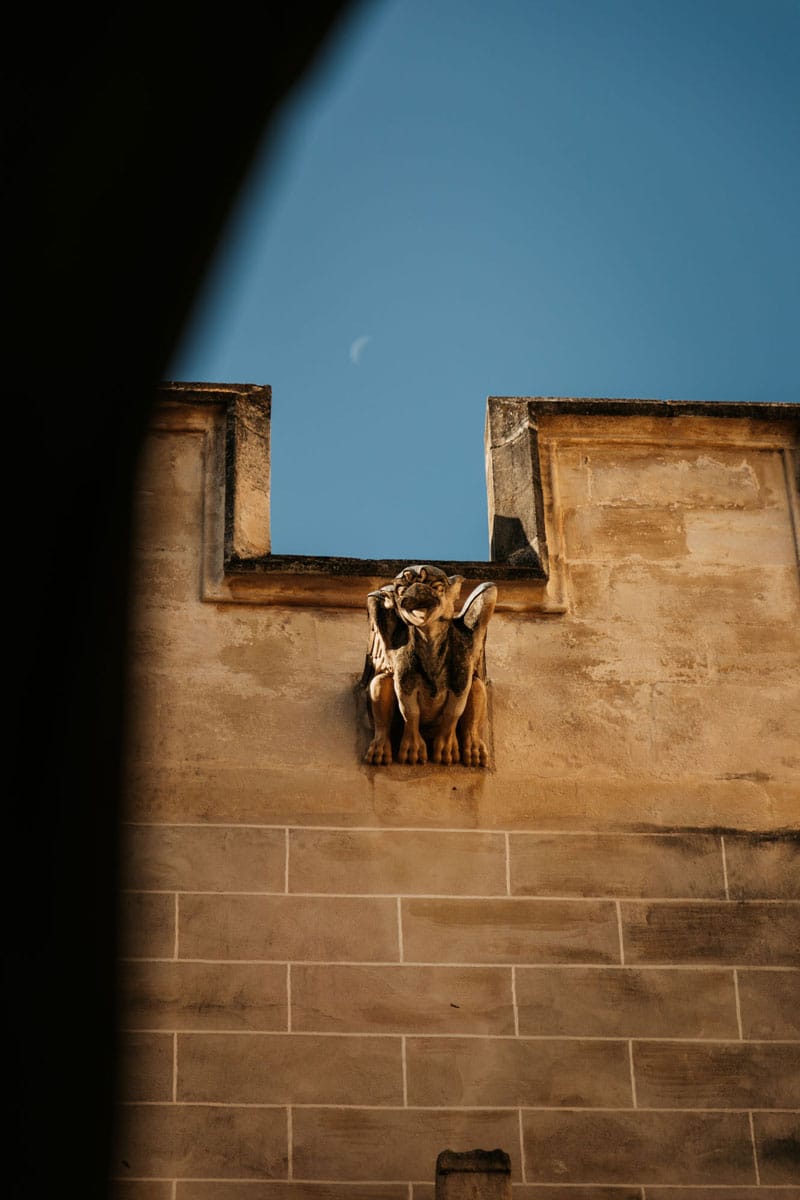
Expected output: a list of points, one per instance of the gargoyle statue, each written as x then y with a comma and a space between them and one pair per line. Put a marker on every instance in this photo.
429, 663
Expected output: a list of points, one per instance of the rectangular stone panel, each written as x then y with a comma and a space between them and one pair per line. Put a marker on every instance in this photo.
220, 1189
740, 538
509, 931
201, 1141
685, 476
515, 1071
144, 1065
718, 1075
770, 1004
778, 1146
680, 866
756, 933
204, 858
402, 999
397, 862
288, 927
763, 868
612, 1147
257, 1068
188, 995
391, 1144
603, 534
147, 925
626, 1002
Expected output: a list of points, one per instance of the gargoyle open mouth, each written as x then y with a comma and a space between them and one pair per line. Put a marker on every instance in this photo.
420, 605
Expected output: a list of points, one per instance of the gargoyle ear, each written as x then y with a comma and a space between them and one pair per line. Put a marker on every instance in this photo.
455, 582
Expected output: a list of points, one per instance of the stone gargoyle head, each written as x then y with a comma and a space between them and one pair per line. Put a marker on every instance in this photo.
426, 661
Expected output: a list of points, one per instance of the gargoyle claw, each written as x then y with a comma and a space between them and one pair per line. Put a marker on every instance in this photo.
379, 752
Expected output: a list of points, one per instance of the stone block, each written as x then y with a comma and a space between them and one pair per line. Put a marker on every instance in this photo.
147, 925
770, 1004
207, 858
720, 1193
288, 927
404, 862
663, 1147
680, 866
144, 1066
510, 931
191, 995
510, 1072
201, 1141
140, 1189
778, 1147
719, 1075
763, 868
626, 1002
391, 1144
221, 1189
234, 1068
402, 999
750, 933
473, 1175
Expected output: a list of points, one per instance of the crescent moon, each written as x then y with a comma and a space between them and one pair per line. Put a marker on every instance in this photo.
357, 348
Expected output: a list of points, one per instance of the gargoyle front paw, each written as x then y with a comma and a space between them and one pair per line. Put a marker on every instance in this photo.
445, 749
474, 752
379, 752
412, 749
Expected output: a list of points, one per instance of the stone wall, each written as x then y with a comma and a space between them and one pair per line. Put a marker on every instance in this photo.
586, 955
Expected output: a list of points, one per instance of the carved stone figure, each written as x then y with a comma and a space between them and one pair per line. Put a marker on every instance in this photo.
429, 663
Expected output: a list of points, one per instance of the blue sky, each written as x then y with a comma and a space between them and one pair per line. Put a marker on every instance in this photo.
515, 197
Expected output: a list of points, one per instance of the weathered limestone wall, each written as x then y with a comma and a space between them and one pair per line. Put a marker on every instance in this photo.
587, 956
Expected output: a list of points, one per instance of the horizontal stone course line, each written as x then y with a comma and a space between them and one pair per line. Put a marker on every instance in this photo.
662, 1187
507, 1037
633, 833
393, 962
586, 1109
451, 896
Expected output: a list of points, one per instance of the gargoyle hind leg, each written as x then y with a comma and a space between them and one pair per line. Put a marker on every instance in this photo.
445, 743
412, 744
382, 701
473, 748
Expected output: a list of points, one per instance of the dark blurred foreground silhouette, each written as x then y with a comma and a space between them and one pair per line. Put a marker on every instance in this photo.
127, 136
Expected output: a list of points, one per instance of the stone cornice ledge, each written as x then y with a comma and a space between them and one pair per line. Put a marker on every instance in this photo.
520, 495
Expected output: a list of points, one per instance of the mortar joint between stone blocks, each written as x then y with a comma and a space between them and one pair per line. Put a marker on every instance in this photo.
738, 1003
633, 1073
514, 1000
288, 997
400, 929
755, 1149
618, 907
289, 1137
286, 864
521, 1147
176, 918
404, 1069
508, 863
174, 1068
724, 866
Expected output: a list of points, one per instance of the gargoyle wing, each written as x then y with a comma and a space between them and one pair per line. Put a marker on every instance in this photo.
382, 626
474, 617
